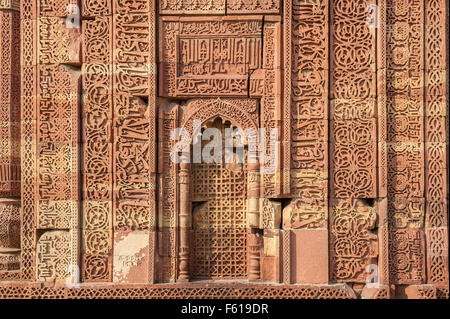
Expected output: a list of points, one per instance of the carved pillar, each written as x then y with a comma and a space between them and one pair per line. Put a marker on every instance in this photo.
184, 222
254, 247
253, 186
167, 265
253, 217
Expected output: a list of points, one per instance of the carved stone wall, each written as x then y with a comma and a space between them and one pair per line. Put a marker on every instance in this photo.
354, 200
9, 140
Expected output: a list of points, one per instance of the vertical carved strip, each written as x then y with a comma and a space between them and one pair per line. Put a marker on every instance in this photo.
57, 141
133, 148
436, 139
405, 136
272, 112
58, 167
287, 91
286, 255
167, 250
307, 71
97, 142
153, 138
383, 241
28, 132
353, 128
383, 227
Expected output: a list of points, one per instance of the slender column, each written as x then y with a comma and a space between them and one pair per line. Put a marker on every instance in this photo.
185, 222
253, 186
253, 219
254, 263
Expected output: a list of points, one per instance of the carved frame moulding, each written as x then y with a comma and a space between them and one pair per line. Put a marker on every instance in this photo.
28, 130
436, 144
243, 114
162, 291
183, 42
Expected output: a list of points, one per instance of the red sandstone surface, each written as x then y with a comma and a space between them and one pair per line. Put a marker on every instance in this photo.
91, 92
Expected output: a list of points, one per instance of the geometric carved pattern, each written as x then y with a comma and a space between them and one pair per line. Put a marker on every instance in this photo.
57, 167
9, 225
220, 223
28, 131
219, 7
436, 139
186, 291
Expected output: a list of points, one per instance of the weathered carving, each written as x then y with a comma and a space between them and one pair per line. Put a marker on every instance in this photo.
9, 225
353, 244
306, 213
53, 255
